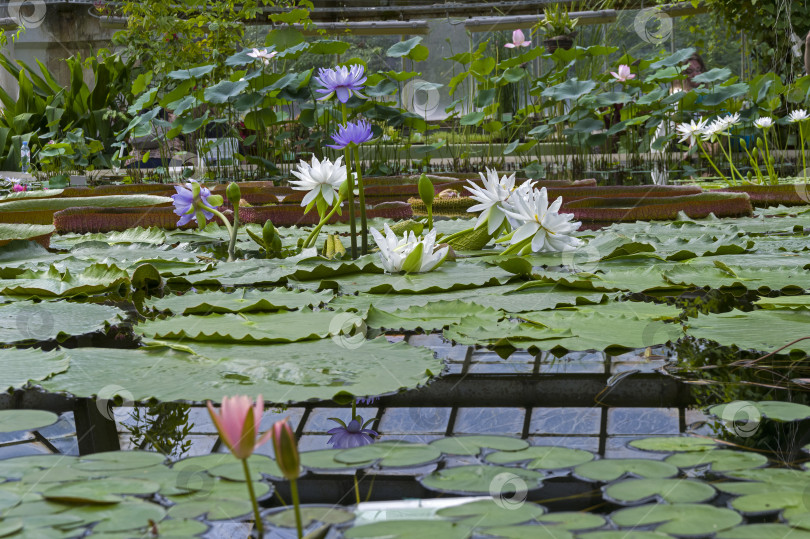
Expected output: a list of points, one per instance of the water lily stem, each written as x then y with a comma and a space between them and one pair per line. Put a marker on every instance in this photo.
296, 507
804, 156
350, 183
363, 223
256, 516
356, 489
702, 149
771, 172
517, 247
313, 236
231, 230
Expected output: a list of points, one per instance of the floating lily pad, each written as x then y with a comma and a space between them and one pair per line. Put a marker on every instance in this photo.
750, 411
29, 322
528, 532
479, 479
487, 513
763, 531
570, 520
21, 366
325, 514
14, 420
410, 529
607, 470
324, 459
680, 520
472, 445
631, 534
543, 457
119, 460
242, 301
632, 491
430, 317
390, 454
99, 490
673, 443
720, 460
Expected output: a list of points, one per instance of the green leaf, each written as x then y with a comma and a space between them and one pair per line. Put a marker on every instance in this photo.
763, 531
285, 518
16, 420
632, 491
191, 73
472, 445
542, 457
409, 529
224, 91
390, 454
676, 443
720, 460
763, 330
281, 373
486, 513
31, 364
681, 519
243, 301
479, 479
403, 48
608, 470
55, 204
434, 316
28, 322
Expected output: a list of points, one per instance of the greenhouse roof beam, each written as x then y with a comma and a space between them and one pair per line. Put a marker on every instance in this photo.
370, 28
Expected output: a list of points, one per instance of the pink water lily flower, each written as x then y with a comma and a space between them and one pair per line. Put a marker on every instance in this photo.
238, 424
19, 188
518, 40
624, 74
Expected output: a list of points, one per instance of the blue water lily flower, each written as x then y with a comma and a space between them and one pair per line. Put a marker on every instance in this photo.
193, 199
352, 435
352, 133
342, 81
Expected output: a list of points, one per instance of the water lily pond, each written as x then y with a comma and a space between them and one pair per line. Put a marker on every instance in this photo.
264, 274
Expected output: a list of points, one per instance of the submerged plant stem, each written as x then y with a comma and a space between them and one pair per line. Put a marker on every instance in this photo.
360, 188
231, 230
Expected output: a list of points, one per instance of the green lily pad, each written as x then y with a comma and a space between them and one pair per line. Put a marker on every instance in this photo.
487, 513
571, 520
607, 470
472, 445
310, 514
720, 460
631, 534
10, 526
390, 454
480, 479
680, 520
242, 301
763, 531
119, 460
16, 420
632, 491
433, 316
528, 532
764, 330
99, 490
21, 366
324, 459
673, 443
29, 322
409, 529
130, 515
752, 412
543, 457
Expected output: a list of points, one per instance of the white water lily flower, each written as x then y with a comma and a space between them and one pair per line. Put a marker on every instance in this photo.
394, 251
798, 116
262, 54
322, 177
549, 229
766, 122
495, 198
691, 130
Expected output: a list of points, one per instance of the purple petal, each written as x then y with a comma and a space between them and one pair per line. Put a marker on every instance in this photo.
343, 94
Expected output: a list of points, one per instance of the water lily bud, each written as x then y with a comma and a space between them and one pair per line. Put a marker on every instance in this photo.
426, 190
215, 201
343, 191
234, 194
759, 143
268, 233
286, 449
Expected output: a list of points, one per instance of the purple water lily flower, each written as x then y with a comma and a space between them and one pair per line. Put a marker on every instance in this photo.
367, 400
352, 133
341, 81
352, 435
184, 203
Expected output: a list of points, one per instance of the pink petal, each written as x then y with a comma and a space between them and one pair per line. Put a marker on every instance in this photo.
509, 45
